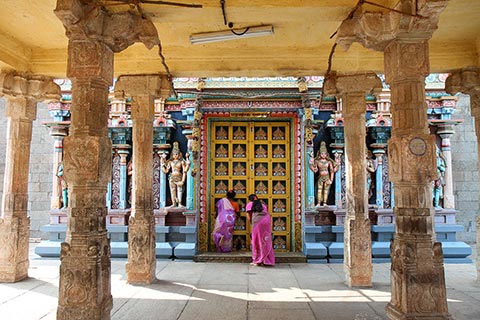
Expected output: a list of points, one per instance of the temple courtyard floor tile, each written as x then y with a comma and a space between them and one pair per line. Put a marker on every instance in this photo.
195, 290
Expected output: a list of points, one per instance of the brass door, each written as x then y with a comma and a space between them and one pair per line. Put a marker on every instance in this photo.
253, 157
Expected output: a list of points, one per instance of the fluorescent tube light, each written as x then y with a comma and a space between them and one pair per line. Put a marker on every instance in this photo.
232, 34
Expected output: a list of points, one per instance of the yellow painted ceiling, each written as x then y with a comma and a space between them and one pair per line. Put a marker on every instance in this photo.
33, 39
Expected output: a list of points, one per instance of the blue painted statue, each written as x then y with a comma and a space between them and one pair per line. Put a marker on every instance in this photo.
440, 182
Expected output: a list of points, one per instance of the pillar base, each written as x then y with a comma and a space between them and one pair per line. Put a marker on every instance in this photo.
140, 277
14, 235
395, 314
100, 312
357, 266
10, 272
358, 282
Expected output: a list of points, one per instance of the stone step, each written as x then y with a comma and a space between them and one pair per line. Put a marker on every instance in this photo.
246, 257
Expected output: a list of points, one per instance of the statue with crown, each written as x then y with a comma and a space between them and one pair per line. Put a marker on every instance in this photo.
176, 167
326, 168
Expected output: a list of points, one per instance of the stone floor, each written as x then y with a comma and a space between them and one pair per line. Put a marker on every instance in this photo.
230, 291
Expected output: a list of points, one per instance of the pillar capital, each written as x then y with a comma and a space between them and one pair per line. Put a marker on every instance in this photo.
116, 30
143, 89
352, 88
359, 83
466, 81
375, 30
156, 85
39, 87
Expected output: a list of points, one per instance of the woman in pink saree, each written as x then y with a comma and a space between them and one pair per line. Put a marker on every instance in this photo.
222, 234
262, 249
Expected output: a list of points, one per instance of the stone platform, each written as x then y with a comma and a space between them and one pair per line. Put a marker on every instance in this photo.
246, 257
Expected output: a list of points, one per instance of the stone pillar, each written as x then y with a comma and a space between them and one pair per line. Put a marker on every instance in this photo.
85, 254
338, 155
141, 231
188, 133
445, 132
468, 82
58, 133
417, 274
94, 35
163, 180
417, 263
379, 152
21, 91
310, 179
357, 247
123, 177
190, 181
309, 135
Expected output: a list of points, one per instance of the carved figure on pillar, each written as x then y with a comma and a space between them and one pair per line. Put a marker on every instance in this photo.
63, 185
371, 167
439, 183
130, 180
326, 168
178, 168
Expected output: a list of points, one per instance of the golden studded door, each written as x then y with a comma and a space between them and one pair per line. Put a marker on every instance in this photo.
253, 157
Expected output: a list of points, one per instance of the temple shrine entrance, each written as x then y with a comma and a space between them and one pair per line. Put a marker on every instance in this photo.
252, 157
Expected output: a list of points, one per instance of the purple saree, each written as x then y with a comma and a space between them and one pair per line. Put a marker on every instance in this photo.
223, 230
262, 249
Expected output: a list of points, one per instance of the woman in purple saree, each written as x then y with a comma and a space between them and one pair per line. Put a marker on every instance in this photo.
222, 234
262, 249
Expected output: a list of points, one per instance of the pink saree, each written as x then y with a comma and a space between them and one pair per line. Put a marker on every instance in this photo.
223, 230
262, 249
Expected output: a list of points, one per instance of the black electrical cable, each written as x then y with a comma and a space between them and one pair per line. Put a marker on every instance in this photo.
222, 3
241, 33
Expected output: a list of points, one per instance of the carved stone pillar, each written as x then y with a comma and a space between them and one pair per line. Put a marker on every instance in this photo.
309, 134
379, 152
417, 274
21, 91
468, 82
94, 35
445, 132
357, 243
85, 254
417, 266
187, 131
123, 177
58, 133
141, 231
163, 180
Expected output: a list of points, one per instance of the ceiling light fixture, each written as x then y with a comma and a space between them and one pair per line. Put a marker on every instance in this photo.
231, 34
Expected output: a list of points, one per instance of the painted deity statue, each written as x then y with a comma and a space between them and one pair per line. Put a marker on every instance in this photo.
440, 182
326, 168
63, 184
371, 167
178, 168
